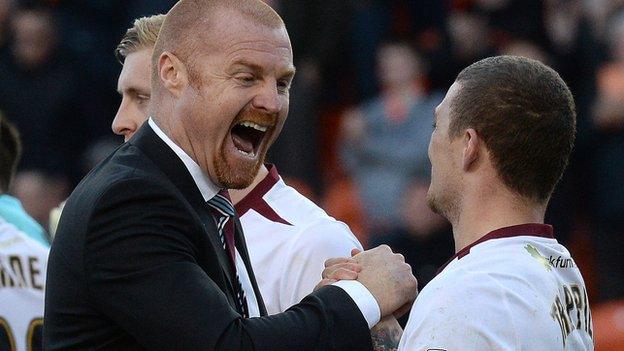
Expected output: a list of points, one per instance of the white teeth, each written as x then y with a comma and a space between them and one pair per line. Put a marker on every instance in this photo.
254, 126
248, 154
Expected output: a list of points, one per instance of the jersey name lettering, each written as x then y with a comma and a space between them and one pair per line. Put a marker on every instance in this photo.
25, 272
571, 311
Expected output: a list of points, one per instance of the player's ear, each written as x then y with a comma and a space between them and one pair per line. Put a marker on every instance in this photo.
472, 148
172, 73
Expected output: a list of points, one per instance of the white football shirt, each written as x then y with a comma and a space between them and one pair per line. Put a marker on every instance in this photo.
23, 263
289, 238
516, 288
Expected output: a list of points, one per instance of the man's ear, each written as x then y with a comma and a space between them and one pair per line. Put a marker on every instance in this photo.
172, 73
472, 148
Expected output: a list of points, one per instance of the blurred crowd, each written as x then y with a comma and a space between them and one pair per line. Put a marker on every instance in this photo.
370, 73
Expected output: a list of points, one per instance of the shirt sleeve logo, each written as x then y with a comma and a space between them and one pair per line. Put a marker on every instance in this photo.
534, 252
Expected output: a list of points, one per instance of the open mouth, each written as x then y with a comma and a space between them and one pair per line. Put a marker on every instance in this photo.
247, 137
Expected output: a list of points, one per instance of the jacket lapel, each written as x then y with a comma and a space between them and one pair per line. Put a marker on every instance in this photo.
175, 170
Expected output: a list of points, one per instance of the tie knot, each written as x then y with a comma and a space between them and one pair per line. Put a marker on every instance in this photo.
222, 203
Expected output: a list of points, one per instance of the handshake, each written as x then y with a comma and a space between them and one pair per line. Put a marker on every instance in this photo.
384, 273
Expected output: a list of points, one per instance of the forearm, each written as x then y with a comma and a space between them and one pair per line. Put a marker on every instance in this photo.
386, 334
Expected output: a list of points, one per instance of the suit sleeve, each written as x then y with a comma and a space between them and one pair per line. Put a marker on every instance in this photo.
142, 273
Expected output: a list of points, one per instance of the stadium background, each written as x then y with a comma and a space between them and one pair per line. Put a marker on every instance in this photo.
369, 74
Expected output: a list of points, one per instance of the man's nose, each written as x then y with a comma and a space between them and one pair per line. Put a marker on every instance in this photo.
269, 99
122, 124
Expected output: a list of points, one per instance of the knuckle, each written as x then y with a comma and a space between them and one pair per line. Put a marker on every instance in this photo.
347, 271
343, 273
340, 271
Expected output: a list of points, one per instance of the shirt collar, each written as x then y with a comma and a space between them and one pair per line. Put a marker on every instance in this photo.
255, 198
207, 188
528, 229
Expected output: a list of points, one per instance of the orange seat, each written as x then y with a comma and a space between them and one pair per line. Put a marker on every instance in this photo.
608, 321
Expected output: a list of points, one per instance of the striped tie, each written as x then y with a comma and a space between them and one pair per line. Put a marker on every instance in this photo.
223, 212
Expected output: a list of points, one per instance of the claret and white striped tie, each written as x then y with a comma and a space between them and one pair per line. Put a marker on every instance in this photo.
223, 212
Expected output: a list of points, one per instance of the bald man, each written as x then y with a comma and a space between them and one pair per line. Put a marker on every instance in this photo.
149, 253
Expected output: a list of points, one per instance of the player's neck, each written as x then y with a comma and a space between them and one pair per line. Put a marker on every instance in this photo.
481, 215
239, 194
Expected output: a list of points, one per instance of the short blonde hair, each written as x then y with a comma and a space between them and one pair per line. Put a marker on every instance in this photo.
142, 35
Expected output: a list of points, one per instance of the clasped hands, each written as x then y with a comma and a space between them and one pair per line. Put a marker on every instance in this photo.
383, 272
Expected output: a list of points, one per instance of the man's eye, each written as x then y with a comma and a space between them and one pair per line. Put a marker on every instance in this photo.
142, 99
283, 86
246, 78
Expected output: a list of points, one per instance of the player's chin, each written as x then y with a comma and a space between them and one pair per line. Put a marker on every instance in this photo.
237, 173
432, 203
435, 203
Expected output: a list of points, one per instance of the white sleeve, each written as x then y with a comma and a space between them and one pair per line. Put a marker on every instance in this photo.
318, 242
364, 299
471, 313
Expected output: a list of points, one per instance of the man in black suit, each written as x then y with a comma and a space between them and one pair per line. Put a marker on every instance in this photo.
149, 254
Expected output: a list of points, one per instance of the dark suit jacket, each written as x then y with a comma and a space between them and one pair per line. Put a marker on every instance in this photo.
137, 264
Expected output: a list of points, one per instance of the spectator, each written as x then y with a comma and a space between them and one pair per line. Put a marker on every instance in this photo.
607, 165
38, 92
386, 139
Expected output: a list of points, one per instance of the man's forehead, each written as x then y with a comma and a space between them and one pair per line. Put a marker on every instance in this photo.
258, 50
247, 50
260, 63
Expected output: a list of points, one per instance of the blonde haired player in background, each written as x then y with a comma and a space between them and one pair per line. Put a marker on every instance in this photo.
23, 263
288, 236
